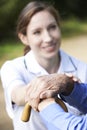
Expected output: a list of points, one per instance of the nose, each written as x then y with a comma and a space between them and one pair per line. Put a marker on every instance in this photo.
47, 36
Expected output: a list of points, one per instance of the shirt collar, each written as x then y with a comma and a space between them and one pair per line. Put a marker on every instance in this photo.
67, 64
32, 64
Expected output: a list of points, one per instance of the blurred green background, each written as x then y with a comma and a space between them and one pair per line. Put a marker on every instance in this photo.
10, 9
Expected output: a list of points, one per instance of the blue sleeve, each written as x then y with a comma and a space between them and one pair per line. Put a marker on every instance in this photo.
56, 119
78, 97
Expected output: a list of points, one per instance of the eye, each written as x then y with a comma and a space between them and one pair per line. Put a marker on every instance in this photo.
37, 32
53, 27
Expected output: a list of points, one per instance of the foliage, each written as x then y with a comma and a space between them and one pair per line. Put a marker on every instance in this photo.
10, 10
73, 27
9, 50
78, 8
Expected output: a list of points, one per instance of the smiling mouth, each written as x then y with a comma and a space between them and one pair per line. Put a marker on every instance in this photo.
50, 48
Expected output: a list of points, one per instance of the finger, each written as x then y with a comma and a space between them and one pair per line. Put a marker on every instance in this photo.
48, 94
34, 103
75, 79
69, 75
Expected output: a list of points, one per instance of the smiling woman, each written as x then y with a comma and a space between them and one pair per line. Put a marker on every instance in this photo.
43, 36
39, 29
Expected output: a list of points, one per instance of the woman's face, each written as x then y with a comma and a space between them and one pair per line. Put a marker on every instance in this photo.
43, 35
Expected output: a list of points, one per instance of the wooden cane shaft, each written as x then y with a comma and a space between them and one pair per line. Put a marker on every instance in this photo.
26, 113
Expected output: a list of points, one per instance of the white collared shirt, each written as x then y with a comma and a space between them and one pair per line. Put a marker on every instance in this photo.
21, 71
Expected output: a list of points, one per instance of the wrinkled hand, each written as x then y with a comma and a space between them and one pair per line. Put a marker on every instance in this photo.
60, 84
48, 86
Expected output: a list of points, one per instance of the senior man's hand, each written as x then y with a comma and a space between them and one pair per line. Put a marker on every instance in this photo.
59, 84
48, 86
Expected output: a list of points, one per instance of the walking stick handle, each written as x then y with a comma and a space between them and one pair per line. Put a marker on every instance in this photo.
26, 113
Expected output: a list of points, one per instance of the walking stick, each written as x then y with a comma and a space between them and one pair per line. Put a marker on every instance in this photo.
27, 110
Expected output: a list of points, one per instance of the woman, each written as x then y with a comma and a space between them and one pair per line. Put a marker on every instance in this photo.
39, 29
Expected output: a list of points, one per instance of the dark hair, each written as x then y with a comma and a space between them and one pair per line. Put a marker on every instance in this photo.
27, 13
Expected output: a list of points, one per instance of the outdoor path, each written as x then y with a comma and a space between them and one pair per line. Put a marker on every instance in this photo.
76, 46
